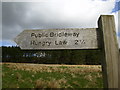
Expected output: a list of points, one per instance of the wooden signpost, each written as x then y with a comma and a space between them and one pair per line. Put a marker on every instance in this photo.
103, 37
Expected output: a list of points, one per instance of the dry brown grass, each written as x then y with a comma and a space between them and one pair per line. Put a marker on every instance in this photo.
89, 77
40, 83
73, 72
75, 69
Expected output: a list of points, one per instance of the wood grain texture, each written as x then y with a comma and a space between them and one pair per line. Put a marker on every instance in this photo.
110, 51
119, 71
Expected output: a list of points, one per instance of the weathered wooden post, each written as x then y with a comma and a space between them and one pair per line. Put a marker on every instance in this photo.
110, 50
119, 71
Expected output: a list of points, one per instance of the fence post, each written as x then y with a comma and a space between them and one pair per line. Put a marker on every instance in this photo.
110, 51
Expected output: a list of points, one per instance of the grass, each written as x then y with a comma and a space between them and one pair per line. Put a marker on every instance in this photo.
15, 75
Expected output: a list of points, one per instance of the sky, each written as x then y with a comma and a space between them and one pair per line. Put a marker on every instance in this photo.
48, 14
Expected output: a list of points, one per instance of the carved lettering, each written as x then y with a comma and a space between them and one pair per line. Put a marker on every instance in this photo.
77, 42
39, 35
63, 34
43, 43
61, 42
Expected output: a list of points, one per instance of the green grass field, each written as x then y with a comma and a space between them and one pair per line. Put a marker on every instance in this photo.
50, 76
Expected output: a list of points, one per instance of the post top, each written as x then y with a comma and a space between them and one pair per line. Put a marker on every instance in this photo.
106, 16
